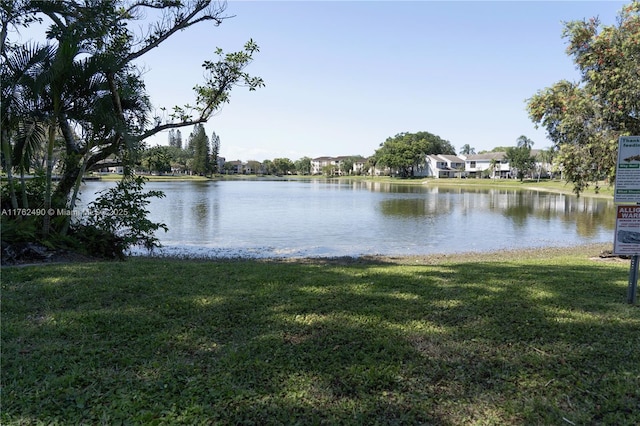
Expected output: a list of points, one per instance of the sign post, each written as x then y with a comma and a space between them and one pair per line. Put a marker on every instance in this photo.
633, 281
627, 190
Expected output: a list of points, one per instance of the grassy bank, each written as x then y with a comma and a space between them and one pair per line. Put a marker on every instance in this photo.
533, 337
156, 178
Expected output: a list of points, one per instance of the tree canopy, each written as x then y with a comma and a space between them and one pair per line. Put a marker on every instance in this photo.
83, 82
80, 98
199, 145
585, 119
467, 150
407, 151
520, 158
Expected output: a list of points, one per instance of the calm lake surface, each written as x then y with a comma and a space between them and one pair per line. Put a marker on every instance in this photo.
325, 218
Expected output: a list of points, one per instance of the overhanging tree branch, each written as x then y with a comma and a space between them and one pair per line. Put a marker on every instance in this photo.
180, 22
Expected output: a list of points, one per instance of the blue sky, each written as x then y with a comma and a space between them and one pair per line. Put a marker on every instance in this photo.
341, 77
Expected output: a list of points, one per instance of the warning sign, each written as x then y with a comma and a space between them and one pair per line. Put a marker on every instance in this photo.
627, 188
627, 236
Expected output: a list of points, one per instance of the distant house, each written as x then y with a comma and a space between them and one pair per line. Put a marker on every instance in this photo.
443, 166
221, 161
110, 165
495, 165
234, 167
359, 166
318, 164
490, 164
335, 165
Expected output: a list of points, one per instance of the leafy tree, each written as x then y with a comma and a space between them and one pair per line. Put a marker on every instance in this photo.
283, 166
520, 157
125, 226
199, 145
524, 142
330, 170
346, 165
495, 149
303, 166
467, 150
178, 158
157, 159
254, 165
229, 167
407, 151
178, 138
175, 138
269, 167
84, 88
585, 119
215, 152
546, 158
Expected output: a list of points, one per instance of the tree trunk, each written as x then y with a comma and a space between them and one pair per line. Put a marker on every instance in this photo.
6, 148
76, 190
46, 223
23, 189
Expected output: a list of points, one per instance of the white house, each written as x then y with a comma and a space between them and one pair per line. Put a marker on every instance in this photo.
495, 165
336, 163
490, 164
441, 166
319, 163
445, 166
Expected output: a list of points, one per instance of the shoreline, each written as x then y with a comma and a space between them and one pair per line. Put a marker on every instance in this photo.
552, 186
592, 251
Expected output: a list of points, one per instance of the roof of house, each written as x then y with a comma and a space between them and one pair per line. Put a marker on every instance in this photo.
451, 158
486, 156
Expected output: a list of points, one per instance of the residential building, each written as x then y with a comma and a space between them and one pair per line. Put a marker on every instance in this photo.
442, 166
490, 164
234, 167
319, 165
495, 165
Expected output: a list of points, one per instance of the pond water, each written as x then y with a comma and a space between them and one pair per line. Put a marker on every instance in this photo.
326, 218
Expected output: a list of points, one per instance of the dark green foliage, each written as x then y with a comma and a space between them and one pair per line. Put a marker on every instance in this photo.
407, 151
520, 159
199, 145
121, 212
158, 159
585, 119
80, 99
24, 223
303, 166
97, 242
283, 166
215, 153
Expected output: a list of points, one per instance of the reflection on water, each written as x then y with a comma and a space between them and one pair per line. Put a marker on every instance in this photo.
337, 218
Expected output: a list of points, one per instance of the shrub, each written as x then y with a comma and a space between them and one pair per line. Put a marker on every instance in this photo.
121, 213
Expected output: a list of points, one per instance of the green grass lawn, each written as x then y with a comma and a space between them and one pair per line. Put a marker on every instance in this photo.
536, 337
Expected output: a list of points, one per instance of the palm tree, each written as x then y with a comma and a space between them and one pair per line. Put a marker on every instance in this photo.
22, 122
545, 157
493, 164
83, 94
467, 150
524, 142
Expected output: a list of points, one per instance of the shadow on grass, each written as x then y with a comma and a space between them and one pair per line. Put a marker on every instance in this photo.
319, 342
